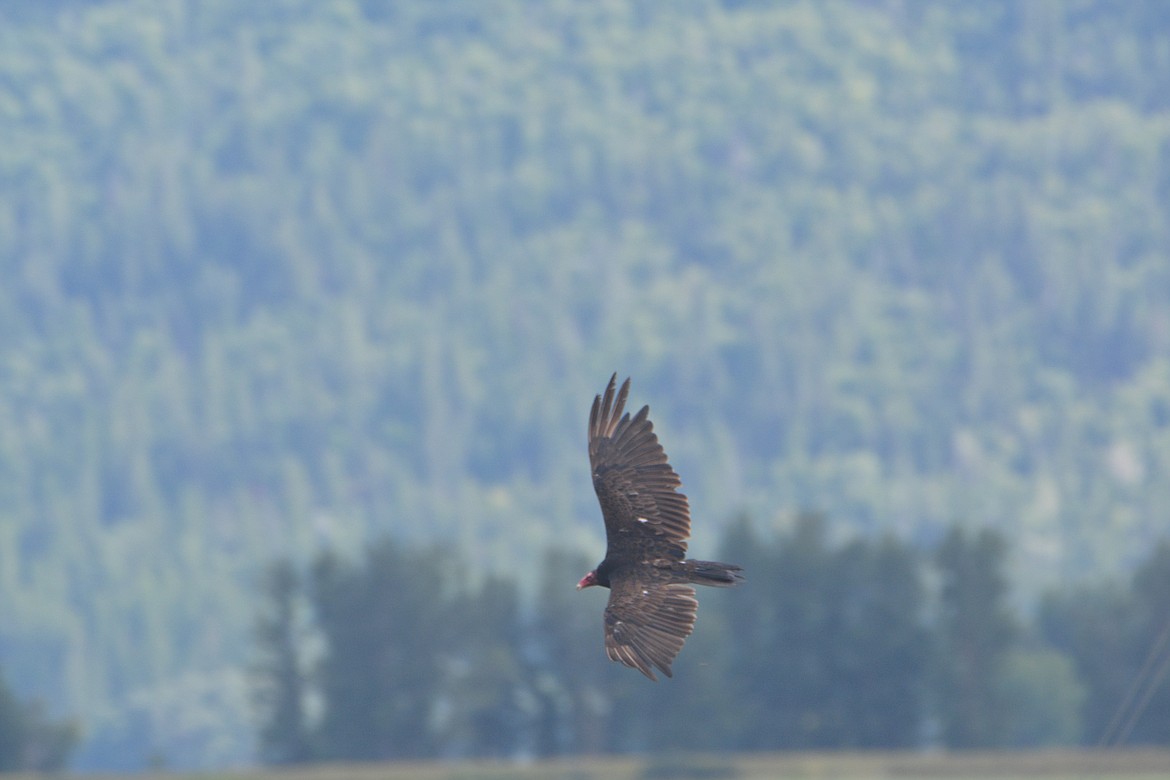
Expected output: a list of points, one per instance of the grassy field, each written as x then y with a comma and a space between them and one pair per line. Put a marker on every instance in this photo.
1055, 765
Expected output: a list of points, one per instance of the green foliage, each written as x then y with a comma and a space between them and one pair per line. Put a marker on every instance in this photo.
975, 633
418, 663
1119, 641
281, 673
1150, 710
1042, 697
286, 277
829, 645
569, 679
1092, 625
487, 674
389, 632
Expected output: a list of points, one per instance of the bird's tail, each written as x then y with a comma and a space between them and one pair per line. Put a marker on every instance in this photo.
721, 575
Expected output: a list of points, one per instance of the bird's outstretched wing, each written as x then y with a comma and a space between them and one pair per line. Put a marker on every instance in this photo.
647, 622
635, 485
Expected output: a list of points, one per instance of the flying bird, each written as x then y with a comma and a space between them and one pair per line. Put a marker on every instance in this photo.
652, 606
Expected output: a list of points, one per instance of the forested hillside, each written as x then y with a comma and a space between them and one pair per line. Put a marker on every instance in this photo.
287, 277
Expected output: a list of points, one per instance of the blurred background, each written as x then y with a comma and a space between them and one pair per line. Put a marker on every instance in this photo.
304, 304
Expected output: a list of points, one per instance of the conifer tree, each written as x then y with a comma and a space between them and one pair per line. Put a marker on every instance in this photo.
974, 631
280, 675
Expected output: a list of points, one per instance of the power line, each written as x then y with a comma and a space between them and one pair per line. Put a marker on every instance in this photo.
1144, 684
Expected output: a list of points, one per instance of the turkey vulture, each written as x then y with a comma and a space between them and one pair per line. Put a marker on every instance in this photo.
651, 609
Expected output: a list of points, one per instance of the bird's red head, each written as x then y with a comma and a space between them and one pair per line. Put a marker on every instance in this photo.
588, 580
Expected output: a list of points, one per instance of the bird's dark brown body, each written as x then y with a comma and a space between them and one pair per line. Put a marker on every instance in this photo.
652, 606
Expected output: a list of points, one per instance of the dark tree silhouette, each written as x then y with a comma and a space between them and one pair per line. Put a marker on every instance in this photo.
280, 674
975, 630
388, 635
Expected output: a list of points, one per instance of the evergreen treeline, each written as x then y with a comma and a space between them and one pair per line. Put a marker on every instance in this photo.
829, 645
279, 277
